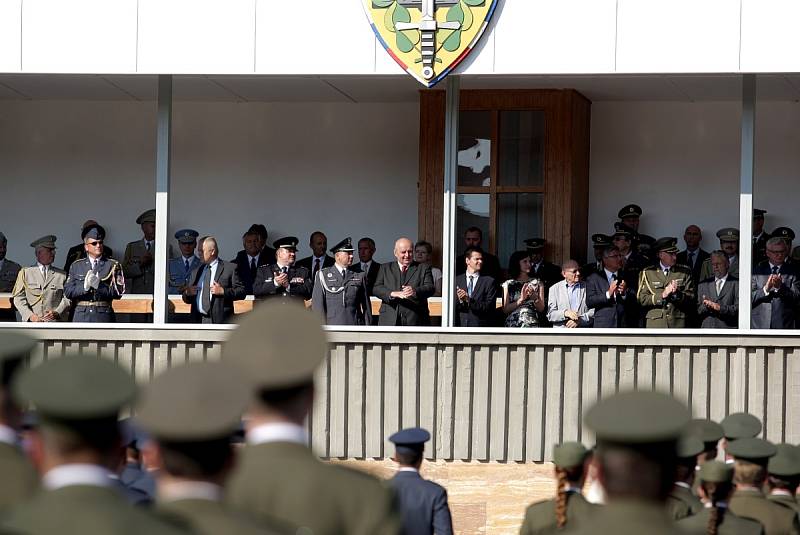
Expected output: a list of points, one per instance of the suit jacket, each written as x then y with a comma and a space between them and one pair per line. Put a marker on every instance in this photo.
731, 524
412, 311
20, 480
342, 301
179, 276
480, 309
300, 283
491, 266
77, 252
540, 517
8, 275
681, 503
776, 519
558, 303
701, 255
423, 505
372, 275
776, 309
608, 312
670, 312
245, 273
140, 279
286, 481
207, 517
308, 263
221, 306
34, 294
728, 299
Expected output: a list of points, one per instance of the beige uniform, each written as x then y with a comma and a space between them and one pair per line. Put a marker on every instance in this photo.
34, 294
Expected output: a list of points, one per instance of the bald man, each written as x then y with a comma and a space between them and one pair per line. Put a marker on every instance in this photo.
403, 287
693, 256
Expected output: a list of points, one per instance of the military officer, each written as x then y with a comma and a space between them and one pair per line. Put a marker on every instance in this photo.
729, 244
39, 290
784, 233
666, 290
541, 269
181, 268
283, 279
94, 282
190, 412
630, 215
599, 243
340, 294
738, 425
760, 236
19, 479
76, 252
636, 438
8, 276
78, 399
751, 456
710, 433
279, 346
783, 478
423, 503
569, 508
682, 501
139, 256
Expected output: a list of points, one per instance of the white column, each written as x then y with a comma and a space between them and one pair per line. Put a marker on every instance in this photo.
163, 156
449, 211
746, 197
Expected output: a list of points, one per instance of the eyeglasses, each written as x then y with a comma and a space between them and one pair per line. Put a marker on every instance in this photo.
95, 243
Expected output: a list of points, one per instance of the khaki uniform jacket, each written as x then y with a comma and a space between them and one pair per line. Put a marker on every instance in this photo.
681, 503
628, 517
786, 501
667, 313
730, 525
19, 479
776, 519
138, 279
8, 275
207, 517
35, 295
286, 481
81, 510
540, 517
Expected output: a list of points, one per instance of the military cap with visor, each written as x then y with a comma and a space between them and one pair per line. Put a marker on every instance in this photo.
534, 244
666, 245
689, 446
740, 425
288, 242
346, 245
785, 462
783, 232
709, 431
93, 232
569, 454
716, 472
601, 240
630, 210
411, 440
186, 235
148, 216
758, 212
638, 417
755, 450
48, 242
728, 234
622, 231
15, 347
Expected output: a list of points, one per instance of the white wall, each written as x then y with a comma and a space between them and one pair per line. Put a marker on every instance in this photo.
347, 169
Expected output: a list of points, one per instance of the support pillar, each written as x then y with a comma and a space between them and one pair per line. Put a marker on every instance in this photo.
163, 159
746, 198
449, 198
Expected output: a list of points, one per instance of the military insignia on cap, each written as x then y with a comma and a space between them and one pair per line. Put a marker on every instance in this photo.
288, 242
186, 235
784, 232
346, 245
630, 210
728, 234
666, 245
45, 241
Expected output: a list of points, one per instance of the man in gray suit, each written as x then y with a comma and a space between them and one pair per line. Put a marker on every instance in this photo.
566, 300
719, 296
775, 289
404, 287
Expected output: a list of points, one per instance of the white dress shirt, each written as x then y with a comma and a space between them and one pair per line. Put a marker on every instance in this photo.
277, 432
213, 267
189, 490
68, 475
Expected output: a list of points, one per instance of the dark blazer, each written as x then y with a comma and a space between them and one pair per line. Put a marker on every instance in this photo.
221, 306
372, 276
683, 258
423, 504
243, 266
611, 312
300, 283
491, 266
774, 310
728, 299
308, 263
413, 311
480, 309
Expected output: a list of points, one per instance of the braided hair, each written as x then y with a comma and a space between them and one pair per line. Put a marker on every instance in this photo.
565, 476
716, 492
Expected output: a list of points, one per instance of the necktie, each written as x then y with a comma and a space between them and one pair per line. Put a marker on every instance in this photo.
720, 282
316, 268
666, 272
284, 269
206, 290
44, 272
147, 245
363, 267
253, 265
344, 271
470, 285
691, 259
186, 263
775, 270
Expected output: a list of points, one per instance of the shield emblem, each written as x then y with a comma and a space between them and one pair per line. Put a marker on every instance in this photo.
428, 38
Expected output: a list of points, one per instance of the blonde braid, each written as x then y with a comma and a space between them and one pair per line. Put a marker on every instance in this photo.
561, 498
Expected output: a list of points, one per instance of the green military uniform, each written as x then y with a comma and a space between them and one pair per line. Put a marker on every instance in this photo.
540, 517
682, 501
140, 277
279, 346
784, 468
730, 235
40, 289
8, 276
669, 312
79, 396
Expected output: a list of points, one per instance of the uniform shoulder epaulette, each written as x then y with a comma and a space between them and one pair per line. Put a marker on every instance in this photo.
650, 268
682, 267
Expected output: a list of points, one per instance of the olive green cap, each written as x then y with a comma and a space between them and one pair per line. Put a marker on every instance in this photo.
751, 449
638, 417
75, 387
706, 430
14, 349
278, 345
716, 472
194, 402
740, 425
48, 241
569, 454
786, 461
148, 216
689, 446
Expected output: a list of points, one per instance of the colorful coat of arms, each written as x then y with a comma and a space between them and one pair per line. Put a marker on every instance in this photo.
428, 38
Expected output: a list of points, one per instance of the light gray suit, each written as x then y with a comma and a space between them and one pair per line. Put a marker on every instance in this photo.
558, 303
774, 310
33, 294
728, 299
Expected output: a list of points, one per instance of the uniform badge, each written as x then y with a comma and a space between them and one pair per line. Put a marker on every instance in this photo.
429, 38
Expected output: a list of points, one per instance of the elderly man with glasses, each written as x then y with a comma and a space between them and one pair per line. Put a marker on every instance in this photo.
613, 301
775, 289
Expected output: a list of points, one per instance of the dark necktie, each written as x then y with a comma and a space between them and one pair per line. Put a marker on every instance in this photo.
205, 298
147, 246
775, 270
316, 268
344, 272
253, 266
284, 269
186, 263
471, 285
666, 272
691, 259
403, 271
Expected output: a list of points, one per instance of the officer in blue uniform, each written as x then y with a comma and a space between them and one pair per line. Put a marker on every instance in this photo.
180, 268
423, 503
340, 294
283, 279
94, 282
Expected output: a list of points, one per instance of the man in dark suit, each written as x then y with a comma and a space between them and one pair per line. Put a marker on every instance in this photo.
541, 269
473, 237
251, 258
77, 252
719, 296
693, 256
318, 259
760, 237
775, 289
476, 293
404, 287
366, 249
423, 503
215, 286
599, 244
608, 293
283, 279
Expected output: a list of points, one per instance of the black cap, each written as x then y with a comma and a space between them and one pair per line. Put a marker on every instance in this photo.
346, 245
601, 240
630, 210
94, 232
289, 242
666, 245
534, 244
783, 232
411, 440
758, 212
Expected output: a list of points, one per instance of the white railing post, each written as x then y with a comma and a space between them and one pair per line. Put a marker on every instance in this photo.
449, 198
163, 158
746, 198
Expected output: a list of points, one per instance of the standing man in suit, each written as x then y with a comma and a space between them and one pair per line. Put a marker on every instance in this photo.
473, 237
318, 259
693, 256
404, 287
666, 291
719, 296
181, 268
39, 290
599, 243
94, 282
541, 269
476, 294
775, 289
566, 302
251, 258
608, 293
139, 256
284, 279
423, 503
340, 294
728, 244
760, 237
77, 252
366, 265
215, 286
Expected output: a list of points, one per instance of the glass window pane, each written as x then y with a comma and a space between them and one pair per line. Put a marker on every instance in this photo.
521, 151
474, 148
519, 216
472, 210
